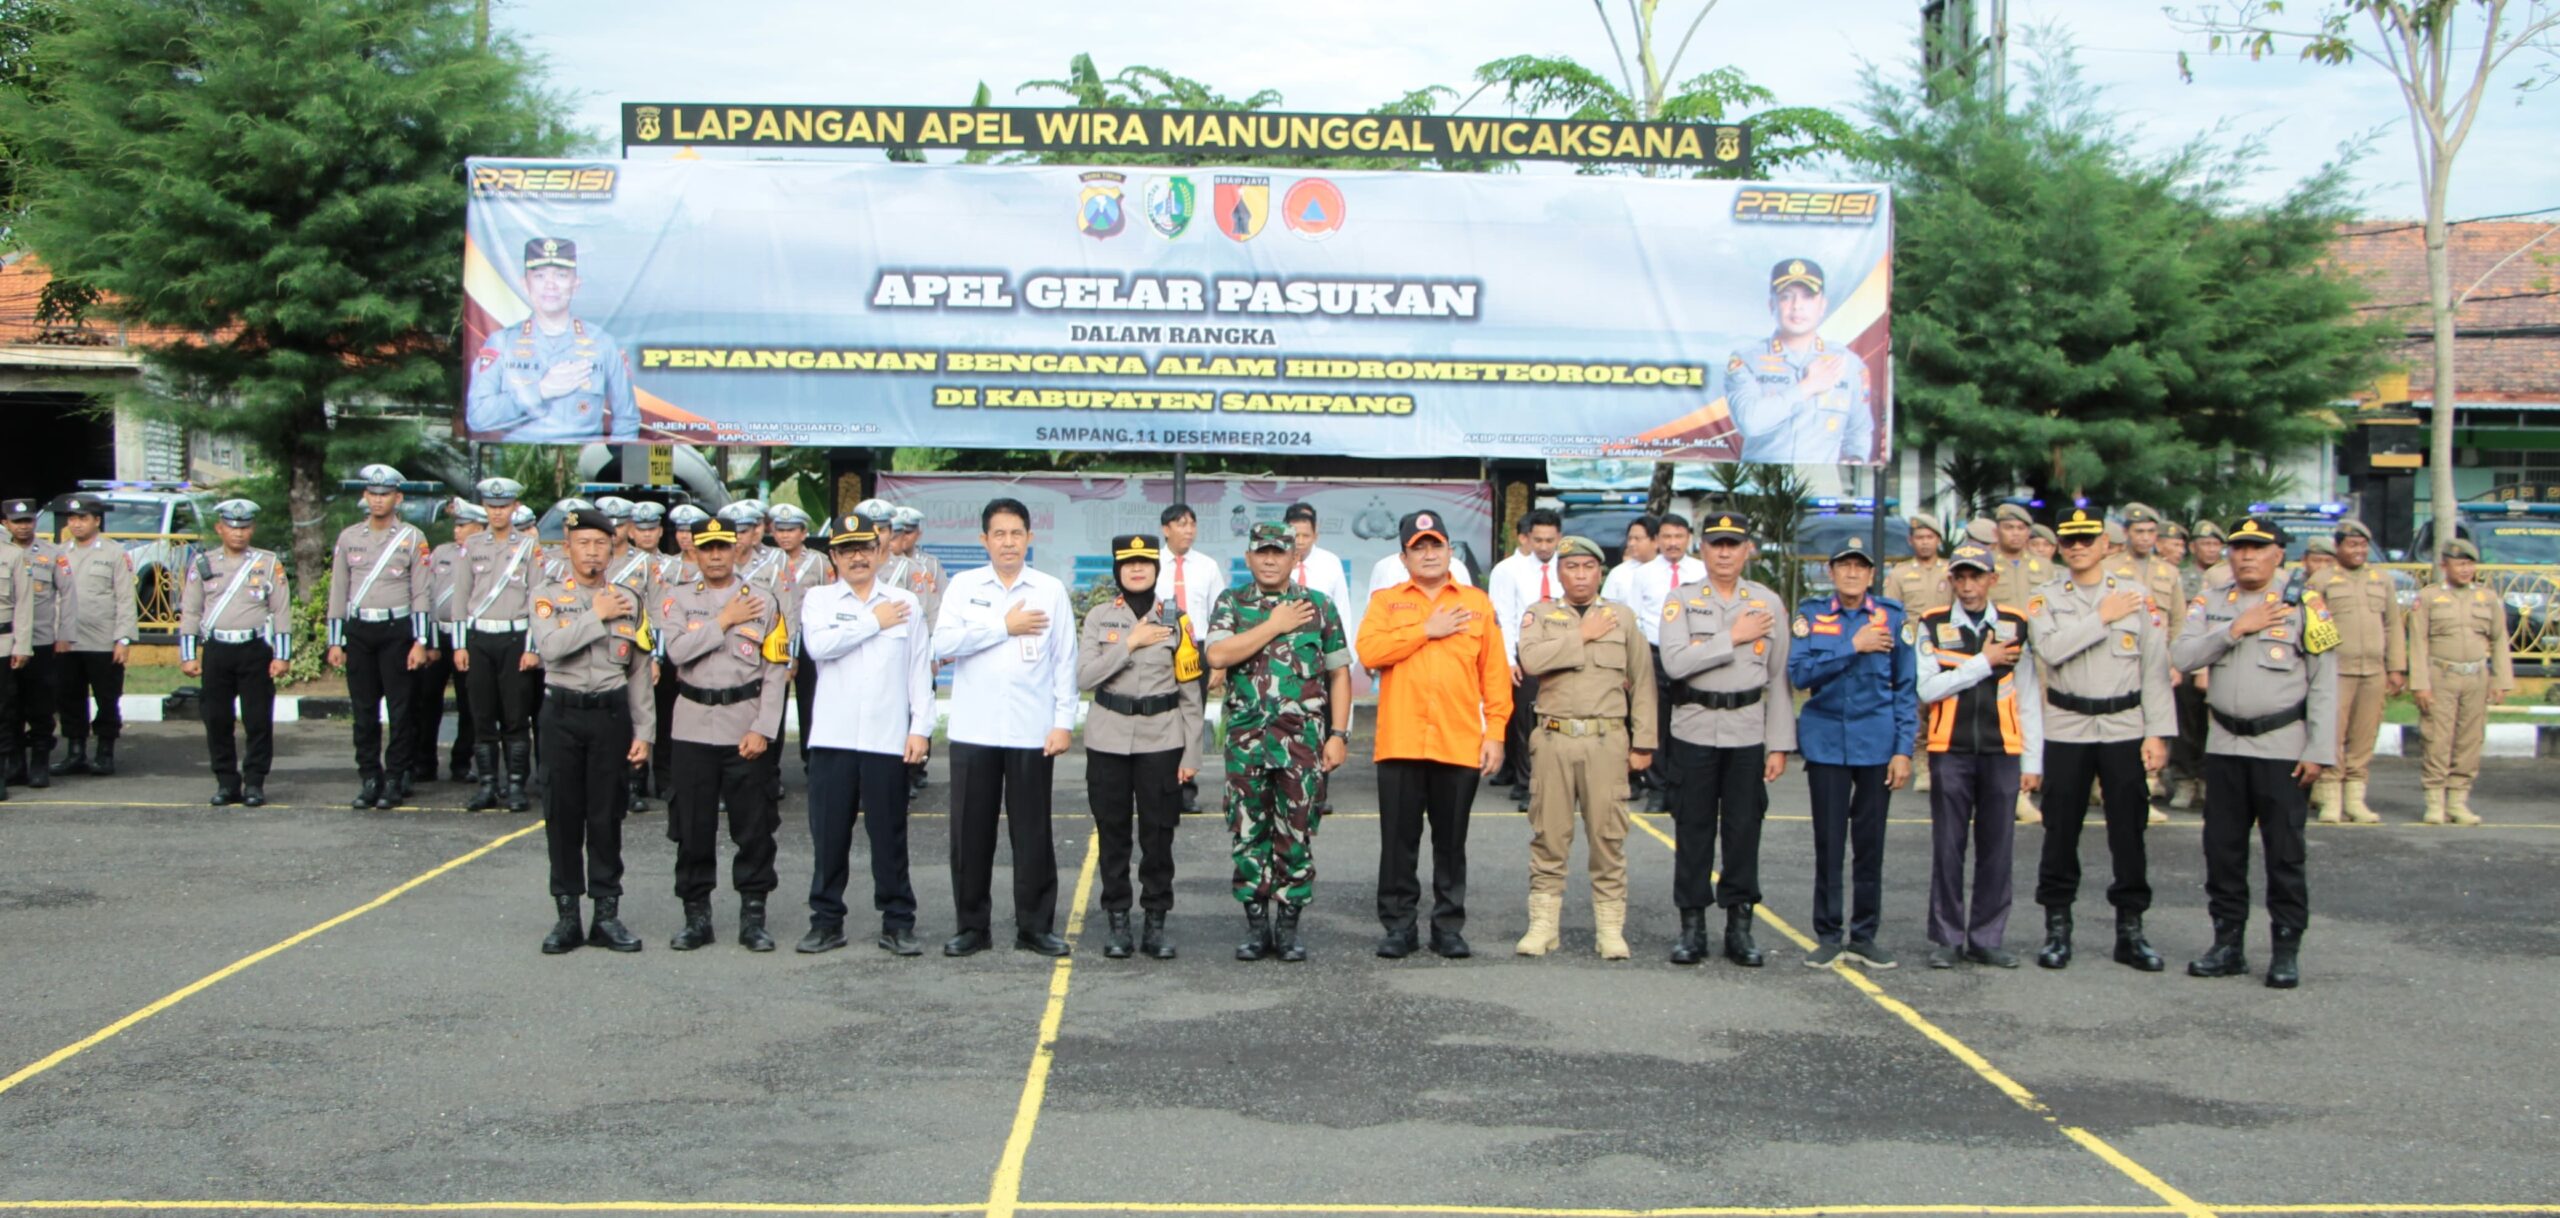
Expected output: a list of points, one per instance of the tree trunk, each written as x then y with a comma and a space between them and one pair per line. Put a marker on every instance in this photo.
306, 494
2440, 309
1657, 496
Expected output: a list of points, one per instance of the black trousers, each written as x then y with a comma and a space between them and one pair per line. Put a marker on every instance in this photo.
1139, 786
984, 779
237, 673
2117, 766
804, 687
1848, 811
1661, 775
37, 683
582, 808
844, 784
10, 739
705, 777
663, 760
1716, 794
426, 711
502, 696
2260, 792
1410, 795
1515, 734
91, 677
378, 682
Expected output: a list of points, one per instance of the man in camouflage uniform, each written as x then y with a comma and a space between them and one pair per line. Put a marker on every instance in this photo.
1287, 722
2142, 563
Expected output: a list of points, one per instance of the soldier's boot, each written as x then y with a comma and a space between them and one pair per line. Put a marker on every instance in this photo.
1546, 910
2057, 937
1609, 919
1920, 777
2325, 798
367, 794
75, 758
1738, 946
2132, 949
1284, 934
1151, 940
635, 786
1115, 941
39, 768
2457, 805
2357, 812
459, 767
401, 791
1257, 939
18, 767
751, 932
2227, 957
2028, 813
1692, 946
608, 932
2194, 800
2284, 964
697, 930
484, 763
2434, 814
566, 933
103, 764
519, 767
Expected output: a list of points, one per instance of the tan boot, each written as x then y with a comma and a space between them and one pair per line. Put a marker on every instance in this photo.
1611, 919
2194, 800
2027, 813
1545, 911
2435, 806
2357, 812
2157, 817
2324, 799
2457, 806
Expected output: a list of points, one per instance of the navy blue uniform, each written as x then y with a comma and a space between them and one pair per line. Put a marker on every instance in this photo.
1862, 711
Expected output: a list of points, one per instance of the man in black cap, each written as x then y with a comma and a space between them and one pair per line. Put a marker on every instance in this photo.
31, 765
594, 639
1799, 399
1984, 732
95, 626
554, 378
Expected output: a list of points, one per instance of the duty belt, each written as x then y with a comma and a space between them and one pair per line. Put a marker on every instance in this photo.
597, 700
1581, 727
1152, 704
2093, 707
1682, 695
490, 625
2461, 667
2262, 724
234, 636
719, 697
380, 615
8, 627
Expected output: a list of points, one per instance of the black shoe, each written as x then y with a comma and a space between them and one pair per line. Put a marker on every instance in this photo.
1692, 946
1944, 957
39, 771
75, 758
2132, 949
608, 932
697, 930
1738, 946
17, 775
1191, 799
1449, 944
1151, 940
254, 796
1520, 797
566, 934
2226, 958
1823, 955
1996, 957
636, 791
369, 795
1398, 943
223, 796
484, 765
2284, 963
519, 767
1867, 954
1040, 942
899, 941
399, 792
1257, 933
104, 764
751, 932
1656, 799
1116, 944
1284, 935
822, 937
2057, 938
459, 769
967, 943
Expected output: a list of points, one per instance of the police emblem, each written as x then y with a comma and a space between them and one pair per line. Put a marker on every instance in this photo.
648, 127
1240, 204
1313, 209
1801, 628
1729, 143
1171, 203
1098, 211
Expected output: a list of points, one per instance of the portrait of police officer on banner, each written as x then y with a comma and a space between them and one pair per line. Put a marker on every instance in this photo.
1799, 399
552, 377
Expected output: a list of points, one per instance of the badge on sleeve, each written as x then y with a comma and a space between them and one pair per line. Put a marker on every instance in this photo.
1910, 634
542, 608
1801, 627
1671, 612
2035, 606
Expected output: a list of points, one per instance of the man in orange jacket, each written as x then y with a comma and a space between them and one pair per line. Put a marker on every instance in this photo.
1444, 695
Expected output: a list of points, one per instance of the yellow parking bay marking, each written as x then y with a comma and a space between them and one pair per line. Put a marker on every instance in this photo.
1004, 1194
191, 989
2178, 1201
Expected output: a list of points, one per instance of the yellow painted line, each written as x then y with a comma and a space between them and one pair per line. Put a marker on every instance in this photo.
464, 1207
1004, 1193
2178, 1202
191, 989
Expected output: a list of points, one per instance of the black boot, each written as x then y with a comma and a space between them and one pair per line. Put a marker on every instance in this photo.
636, 787
519, 766
367, 795
751, 932
565, 934
1257, 938
104, 764
1284, 934
1116, 944
608, 931
397, 791
39, 768
75, 758
17, 767
2284, 964
2057, 937
2227, 957
1151, 941
255, 794
484, 763
225, 794
1692, 946
1738, 946
697, 927
2132, 949
459, 764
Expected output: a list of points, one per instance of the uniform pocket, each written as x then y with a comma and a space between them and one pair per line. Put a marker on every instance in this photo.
2276, 657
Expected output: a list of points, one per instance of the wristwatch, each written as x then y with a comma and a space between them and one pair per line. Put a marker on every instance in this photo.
1341, 734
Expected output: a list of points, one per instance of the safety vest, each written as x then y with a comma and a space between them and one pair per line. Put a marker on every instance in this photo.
1983, 717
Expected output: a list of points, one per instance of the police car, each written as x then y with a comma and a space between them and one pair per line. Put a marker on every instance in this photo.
2302, 522
2522, 538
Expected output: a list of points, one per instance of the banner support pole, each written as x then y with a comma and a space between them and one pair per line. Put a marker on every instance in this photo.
1182, 477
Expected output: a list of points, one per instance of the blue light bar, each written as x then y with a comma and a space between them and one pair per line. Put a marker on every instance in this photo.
1843, 503
2307, 509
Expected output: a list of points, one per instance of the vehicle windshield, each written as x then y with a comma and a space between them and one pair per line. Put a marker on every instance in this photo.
126, 517
1823, 536
2520, 544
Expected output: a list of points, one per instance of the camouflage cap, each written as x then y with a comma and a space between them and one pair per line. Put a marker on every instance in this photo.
1271, 535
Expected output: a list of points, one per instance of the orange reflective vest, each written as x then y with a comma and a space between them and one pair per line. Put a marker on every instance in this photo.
1984, 717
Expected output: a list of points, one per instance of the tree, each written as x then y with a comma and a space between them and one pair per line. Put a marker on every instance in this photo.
2442, 66
2100, 323
282, 181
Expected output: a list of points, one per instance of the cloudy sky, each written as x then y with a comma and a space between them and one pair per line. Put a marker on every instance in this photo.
1353, 54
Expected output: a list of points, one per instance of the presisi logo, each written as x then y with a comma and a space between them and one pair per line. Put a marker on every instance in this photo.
1807, 206
552, 181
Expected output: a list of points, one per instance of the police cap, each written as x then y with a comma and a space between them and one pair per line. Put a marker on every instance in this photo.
1796, 272
687, 516
786, 516
615, 508
2012, 511
236, 511
907, 520
499, 490
550, 251
585, 519
2082, 522
1969, 556
2255, 531
470, 513
379, 477
2460, 547
1136, 547
648, 515
19, 509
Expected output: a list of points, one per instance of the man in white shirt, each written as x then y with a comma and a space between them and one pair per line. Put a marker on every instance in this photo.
1010, 634
1671, 568
1193, 580
874, 715
1517, 582
1621, 584
1319, 569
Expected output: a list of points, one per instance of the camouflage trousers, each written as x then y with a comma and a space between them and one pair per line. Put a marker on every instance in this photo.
1272, 817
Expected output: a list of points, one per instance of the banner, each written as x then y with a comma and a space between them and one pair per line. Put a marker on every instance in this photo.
1362, 314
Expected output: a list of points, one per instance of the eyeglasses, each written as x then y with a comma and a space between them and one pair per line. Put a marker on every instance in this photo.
2072, 543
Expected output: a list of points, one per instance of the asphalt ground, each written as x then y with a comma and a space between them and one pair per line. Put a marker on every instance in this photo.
308, 1008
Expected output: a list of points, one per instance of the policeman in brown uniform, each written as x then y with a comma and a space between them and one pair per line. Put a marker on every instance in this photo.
2373, 663
235, 633
494, 586
729, 657
593, 637
1593, 723
380, 592
2142, 563
31, 764
2458, 668
17, 627
2016, 570
1141, 737
95, 625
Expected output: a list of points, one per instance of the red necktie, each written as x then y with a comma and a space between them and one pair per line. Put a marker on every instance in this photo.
1546, 592
1302, 574
1181, 603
